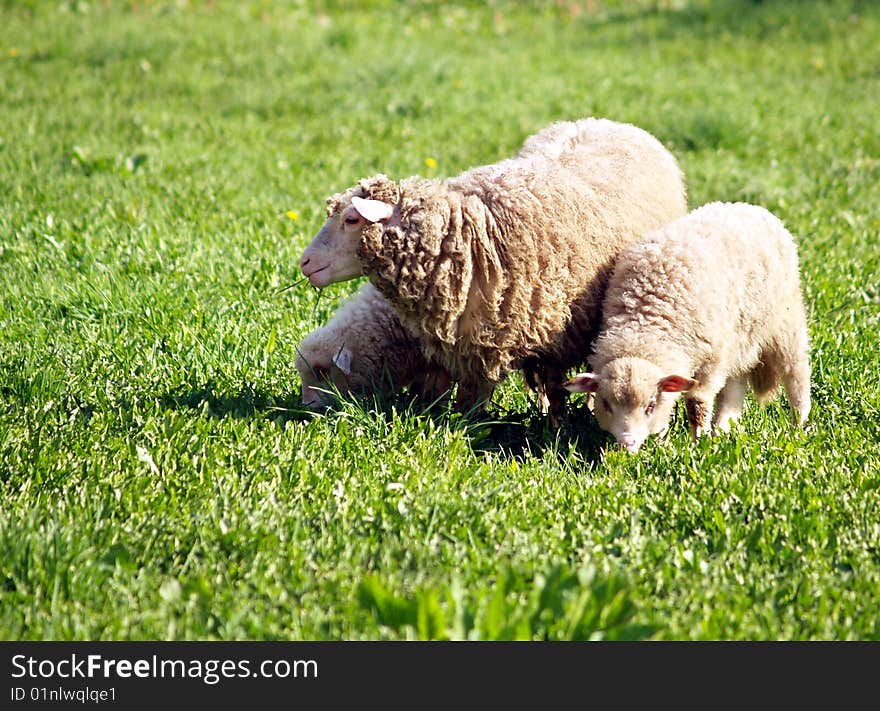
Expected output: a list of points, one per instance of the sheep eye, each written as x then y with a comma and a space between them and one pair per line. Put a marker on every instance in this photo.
606, 405
351, 220
320, 372
650, 408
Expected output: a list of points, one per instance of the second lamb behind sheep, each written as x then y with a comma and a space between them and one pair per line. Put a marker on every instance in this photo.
365, 349
703, 306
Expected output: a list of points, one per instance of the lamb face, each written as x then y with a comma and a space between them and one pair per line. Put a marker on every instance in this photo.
633, 398
322, 374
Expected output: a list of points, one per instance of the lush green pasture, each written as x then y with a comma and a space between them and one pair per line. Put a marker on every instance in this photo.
162, 165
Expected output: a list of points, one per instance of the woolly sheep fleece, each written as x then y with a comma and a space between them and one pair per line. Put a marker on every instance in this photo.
504, 266
702, 306
363, 349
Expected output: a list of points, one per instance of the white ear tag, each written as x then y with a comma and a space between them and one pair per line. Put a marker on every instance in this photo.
372, 210
342, 360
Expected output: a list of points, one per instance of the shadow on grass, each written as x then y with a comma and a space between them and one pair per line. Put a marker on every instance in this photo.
246, 403
507, 434
510, 435
529, 434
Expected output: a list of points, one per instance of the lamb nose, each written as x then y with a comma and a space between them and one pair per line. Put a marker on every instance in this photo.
628, 442
303, 262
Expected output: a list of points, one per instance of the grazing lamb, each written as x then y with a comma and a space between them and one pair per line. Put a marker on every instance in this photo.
365, 349
700, 307
504, 267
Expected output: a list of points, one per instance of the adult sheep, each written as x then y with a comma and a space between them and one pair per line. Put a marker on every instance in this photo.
504, 266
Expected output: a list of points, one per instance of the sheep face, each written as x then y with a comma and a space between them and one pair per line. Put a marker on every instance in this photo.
633, 398
321, 373
332, 255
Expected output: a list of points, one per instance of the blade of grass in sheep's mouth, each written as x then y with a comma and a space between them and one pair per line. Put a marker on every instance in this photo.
290, 286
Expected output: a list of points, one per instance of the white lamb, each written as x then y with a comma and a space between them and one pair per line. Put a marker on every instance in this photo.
365, 349
702, 306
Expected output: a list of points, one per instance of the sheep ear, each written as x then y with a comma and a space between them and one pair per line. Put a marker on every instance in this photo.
342, 360
676, 384
372, 210
582, 383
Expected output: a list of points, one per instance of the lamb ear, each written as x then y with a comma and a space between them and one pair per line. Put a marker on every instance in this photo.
342, 360
582, 383
372, 210
676, 384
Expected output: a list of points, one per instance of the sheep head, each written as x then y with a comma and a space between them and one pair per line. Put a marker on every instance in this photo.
634, 398
332, 255
324, 368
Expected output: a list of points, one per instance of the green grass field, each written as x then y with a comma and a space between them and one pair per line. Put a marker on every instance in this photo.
162, 166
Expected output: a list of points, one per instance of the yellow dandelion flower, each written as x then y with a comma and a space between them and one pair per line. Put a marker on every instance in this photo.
292, 214
13, 52
431, 162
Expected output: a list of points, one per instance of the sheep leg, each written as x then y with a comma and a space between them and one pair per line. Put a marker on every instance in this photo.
700, 401
436, 385
556, 396
699, 414
729, 404
552, 403
546, 382
543, 400
557, 413
534, 373
473, 397
797, 389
